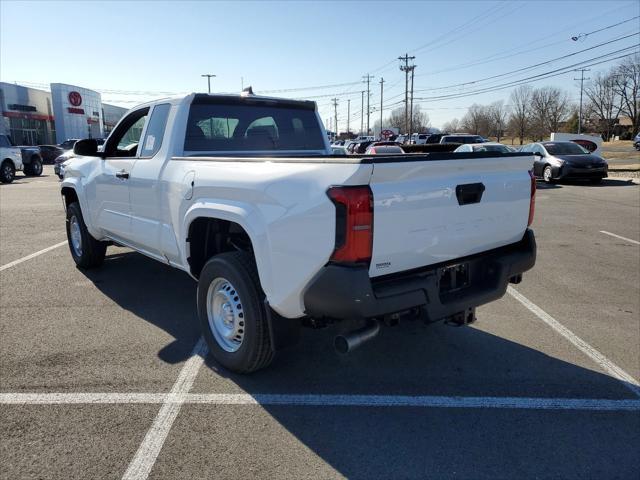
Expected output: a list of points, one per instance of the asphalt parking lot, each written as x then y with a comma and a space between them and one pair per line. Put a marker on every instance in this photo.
102, 374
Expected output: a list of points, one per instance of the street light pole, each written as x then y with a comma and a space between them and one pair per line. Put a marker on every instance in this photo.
208, 75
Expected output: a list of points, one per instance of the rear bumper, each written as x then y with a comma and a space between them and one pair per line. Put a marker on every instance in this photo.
347, 292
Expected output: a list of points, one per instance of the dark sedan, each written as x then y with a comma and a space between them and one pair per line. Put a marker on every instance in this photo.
566, 161
50, 152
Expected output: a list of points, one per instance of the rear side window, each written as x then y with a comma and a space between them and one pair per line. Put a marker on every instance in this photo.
251, 127
155, 130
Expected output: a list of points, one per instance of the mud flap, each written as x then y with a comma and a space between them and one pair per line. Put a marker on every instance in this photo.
284, 332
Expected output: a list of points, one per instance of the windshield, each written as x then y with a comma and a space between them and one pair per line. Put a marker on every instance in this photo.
492, 148
564, 148
216, 127
461, 139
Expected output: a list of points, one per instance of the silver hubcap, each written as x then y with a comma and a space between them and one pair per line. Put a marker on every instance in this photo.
547, 174
76, 236
225, 314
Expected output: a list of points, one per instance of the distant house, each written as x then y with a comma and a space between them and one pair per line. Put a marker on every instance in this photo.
623, 125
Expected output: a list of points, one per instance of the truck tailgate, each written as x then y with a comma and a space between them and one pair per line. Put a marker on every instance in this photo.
432, 211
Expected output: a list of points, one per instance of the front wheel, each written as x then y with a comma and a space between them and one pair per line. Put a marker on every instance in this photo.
7, 172
232, 313
596, 181
86, 251
547, 174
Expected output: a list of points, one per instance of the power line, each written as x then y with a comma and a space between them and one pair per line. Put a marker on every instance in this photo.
530, 67
541, 76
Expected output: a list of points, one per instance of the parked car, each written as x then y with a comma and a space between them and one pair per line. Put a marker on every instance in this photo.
636, 141
50, 153
383, 148
68, 144
279, 234
10, 160
402, 139
419, 138
31, 158
58, 167
485, 147
361, 147
461, 138
435, 137
565, 160
338, 150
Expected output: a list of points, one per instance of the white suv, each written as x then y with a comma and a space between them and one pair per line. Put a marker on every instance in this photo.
10, 160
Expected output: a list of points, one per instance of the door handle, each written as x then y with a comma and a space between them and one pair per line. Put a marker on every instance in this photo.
469, 193
122, 174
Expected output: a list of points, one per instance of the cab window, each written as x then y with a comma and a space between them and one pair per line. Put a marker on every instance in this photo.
125, 139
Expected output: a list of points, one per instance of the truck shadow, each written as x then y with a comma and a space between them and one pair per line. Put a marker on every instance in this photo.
412, 359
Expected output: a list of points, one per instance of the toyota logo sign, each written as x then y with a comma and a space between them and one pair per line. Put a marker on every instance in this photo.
75, 99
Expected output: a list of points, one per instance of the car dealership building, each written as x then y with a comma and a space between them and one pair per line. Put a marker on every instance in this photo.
37, 117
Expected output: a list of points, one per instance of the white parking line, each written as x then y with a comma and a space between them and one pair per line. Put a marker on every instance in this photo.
606, 364
33, 255
419, 401
621, 238
147, 453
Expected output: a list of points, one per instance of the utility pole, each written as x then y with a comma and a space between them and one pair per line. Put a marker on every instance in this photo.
582, 79
348, 115
406, 69
411, 113
208, 75
335, 114
367, 78
381, 103
362, 114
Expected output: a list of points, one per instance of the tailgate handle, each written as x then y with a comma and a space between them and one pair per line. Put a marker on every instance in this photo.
469, 193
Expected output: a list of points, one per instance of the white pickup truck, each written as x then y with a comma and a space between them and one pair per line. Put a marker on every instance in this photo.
243, 194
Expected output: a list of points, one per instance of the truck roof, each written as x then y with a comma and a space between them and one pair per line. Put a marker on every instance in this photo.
231, 99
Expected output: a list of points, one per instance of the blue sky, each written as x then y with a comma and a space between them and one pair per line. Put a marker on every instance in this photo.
136, 51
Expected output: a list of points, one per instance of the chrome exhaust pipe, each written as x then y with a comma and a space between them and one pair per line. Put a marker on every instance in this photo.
350, 341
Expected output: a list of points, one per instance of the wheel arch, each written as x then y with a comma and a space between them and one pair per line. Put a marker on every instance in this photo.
209, 229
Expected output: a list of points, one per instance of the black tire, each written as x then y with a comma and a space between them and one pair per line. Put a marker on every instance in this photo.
239, 270
7, 172
91, 253
595, 181
547, 174
34, 168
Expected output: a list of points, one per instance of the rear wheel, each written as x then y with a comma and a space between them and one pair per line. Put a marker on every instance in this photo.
232, 313
86, 251
547, 174
33, 169
7, 172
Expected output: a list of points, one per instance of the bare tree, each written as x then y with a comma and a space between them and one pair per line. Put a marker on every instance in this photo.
520, 111
498, 114
627, 86
420, 119
451, 126
604, 103
550, 106
475, 119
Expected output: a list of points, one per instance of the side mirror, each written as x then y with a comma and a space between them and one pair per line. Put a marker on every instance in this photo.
538, 154
86, 148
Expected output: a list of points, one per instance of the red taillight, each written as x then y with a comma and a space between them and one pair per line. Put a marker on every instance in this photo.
532, 202
354, 224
